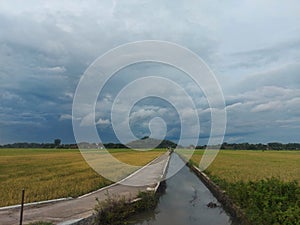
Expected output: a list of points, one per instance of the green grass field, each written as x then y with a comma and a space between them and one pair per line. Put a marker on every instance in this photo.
53, 173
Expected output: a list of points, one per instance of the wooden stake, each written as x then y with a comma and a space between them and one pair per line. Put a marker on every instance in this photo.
22, 206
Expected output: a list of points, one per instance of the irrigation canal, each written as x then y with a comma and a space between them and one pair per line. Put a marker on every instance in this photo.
184, 201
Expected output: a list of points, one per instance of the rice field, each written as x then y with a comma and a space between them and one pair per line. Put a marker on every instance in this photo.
48, 173
237, 165
261, 183
54, 173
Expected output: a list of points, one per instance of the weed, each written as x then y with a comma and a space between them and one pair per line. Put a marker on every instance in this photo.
116, 210
41, 223
269, 201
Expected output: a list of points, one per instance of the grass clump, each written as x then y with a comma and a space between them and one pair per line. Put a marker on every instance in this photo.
116, 211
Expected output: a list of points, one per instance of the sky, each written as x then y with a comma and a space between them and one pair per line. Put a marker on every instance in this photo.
252, 47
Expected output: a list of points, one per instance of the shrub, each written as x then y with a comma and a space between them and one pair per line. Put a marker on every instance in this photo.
269, 201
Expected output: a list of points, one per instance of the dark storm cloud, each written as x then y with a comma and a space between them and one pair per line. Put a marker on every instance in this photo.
252, 46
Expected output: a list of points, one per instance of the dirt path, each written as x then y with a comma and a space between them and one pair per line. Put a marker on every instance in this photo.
82, 207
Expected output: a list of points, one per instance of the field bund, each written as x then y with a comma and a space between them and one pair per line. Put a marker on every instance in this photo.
83, 207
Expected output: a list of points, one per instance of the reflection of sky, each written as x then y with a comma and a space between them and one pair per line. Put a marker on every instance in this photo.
184, 201
253, 47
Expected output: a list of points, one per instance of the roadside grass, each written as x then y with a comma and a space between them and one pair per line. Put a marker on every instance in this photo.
41, 223
269, 201
266, 185
54, 173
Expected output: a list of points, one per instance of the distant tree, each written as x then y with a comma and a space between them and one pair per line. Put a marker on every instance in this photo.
57, 142
275, 146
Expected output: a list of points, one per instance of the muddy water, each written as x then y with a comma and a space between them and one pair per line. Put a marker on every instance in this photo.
184, 202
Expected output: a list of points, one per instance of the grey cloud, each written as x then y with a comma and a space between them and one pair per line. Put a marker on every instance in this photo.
278, 54
266, 108
45, 48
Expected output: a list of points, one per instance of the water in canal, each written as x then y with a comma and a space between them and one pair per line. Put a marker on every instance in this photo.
184, 202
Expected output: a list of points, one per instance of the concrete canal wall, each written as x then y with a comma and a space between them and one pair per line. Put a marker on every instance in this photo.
235, 211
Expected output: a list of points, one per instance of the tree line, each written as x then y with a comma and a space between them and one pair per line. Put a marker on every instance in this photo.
56, 144
259, 146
